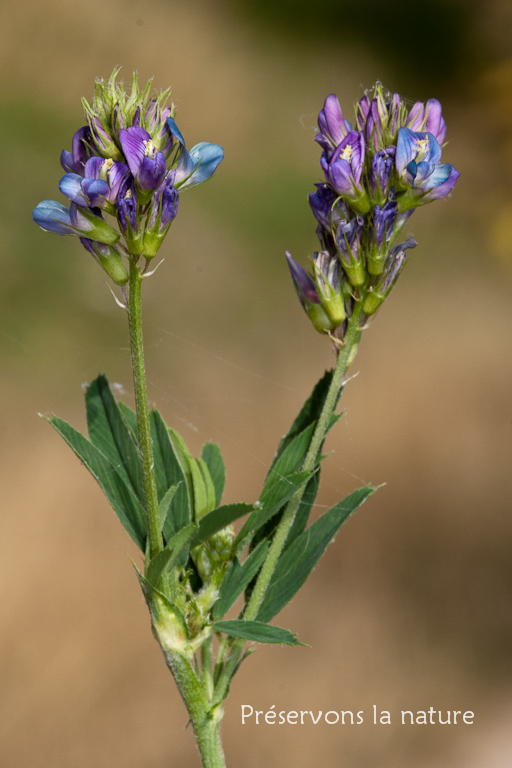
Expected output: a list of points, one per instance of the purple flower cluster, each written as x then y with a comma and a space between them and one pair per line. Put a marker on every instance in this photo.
130, 161
376, 173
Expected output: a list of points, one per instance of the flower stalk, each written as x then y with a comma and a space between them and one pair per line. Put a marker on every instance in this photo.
345, 358
141, 407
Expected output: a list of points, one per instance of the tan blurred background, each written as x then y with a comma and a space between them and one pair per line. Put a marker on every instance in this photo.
411, 607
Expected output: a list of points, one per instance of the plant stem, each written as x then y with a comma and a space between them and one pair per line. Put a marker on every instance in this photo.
205, 719
196, 694
345, 356
141, 407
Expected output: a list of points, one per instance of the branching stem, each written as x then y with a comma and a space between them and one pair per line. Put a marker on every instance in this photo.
345, 357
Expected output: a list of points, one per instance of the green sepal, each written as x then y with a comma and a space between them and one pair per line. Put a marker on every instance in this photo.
212, 457
237, 578
123, 500
274, 496
257, 631
218, 519
168, 557
109, 432
299, 559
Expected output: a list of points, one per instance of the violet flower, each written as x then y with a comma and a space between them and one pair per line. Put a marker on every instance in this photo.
343, 172
83, 222
332, 125
419, 170
328, 209
379, 178
309, 297
127, 215
427, 117
381, 234
199, 164
164, 207
74, 161
146, 163
348, 243
100, 185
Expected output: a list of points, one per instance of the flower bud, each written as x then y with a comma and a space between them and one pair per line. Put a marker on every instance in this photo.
164, 207
127, 215
88, 222
309, 297
393, 266
348, 242
381, 235
109, 258
327, 277
382, 166
328, 208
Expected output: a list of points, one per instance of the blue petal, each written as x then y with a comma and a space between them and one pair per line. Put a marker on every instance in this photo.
433, 154
405, 149
97, 191
175, 131
71, 186
53, 217
199, 165
438, 176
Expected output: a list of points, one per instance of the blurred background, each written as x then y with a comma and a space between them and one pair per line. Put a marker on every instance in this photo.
410, 608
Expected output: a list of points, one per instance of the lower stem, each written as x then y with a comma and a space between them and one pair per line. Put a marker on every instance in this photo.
141, 407
345, 357
205, 719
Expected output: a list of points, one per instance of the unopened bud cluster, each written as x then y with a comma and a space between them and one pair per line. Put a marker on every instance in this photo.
129, 162
376, 174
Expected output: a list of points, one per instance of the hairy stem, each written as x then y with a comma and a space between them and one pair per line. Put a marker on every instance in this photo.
345, 357
205, 719
141, 407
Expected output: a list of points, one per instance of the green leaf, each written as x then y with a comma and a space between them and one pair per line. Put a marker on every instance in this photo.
212, 457
164, 504
120, 495
199, 489
304, 509
257, 631
170, 472
218, 519
130, 417
309, 413
297, 562
167, 558
292, 457
237, 578
183, 456
208, 483
273, 497
109, 432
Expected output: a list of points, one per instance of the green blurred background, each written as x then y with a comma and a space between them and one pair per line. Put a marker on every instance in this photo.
411, 607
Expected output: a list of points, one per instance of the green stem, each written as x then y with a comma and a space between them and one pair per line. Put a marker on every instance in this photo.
205, 719
207, 666
141, 406
345, 357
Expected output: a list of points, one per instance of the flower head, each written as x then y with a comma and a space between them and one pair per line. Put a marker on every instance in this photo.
375, 174
128, 161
